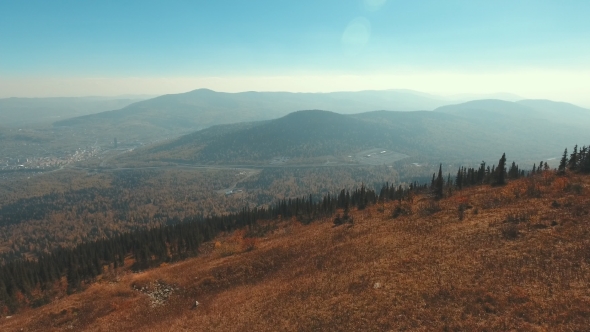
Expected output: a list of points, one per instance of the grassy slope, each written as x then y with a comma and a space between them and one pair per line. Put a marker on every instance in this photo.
417, 272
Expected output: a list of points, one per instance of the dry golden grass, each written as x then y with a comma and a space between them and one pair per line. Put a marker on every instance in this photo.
519, 260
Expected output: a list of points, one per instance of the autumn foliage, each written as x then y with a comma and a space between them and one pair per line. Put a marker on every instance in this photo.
520, 263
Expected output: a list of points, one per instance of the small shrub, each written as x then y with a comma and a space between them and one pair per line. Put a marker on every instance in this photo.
516, 218
346, 219
575, 188
492, 202
228, 249
579, 211
205, 282
510, 231
548, 177
461, 212
516, 192
429, 208
560, 184
248, 244
401, 210
532, 190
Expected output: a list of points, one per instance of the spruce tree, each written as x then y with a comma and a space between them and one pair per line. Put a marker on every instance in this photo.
573, 162
563, 162
439, 183
493, 176
481, 173
459, 179
513, 172
501, 170
584, 162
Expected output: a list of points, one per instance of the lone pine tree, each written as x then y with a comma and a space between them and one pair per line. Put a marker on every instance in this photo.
439, 183
501, 170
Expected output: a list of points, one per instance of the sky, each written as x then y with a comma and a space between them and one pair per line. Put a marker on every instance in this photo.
535, 49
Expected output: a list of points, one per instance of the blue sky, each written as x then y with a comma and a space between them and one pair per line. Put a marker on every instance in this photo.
238, 44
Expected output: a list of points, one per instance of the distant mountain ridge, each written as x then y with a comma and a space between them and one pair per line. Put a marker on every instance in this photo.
496, 107
560, 112
490, 109
471, 131
476, 96
34, 111
171, 116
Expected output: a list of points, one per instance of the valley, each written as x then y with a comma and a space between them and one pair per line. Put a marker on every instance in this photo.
226, 167
366, 165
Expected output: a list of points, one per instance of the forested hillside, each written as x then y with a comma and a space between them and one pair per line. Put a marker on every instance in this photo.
490, 247
69, 207
464, 133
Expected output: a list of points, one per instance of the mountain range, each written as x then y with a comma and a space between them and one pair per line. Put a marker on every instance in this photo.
171, 116
488, 109
471, 131
24, 112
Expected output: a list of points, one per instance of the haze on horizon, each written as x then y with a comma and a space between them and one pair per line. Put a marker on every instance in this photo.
535, 49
